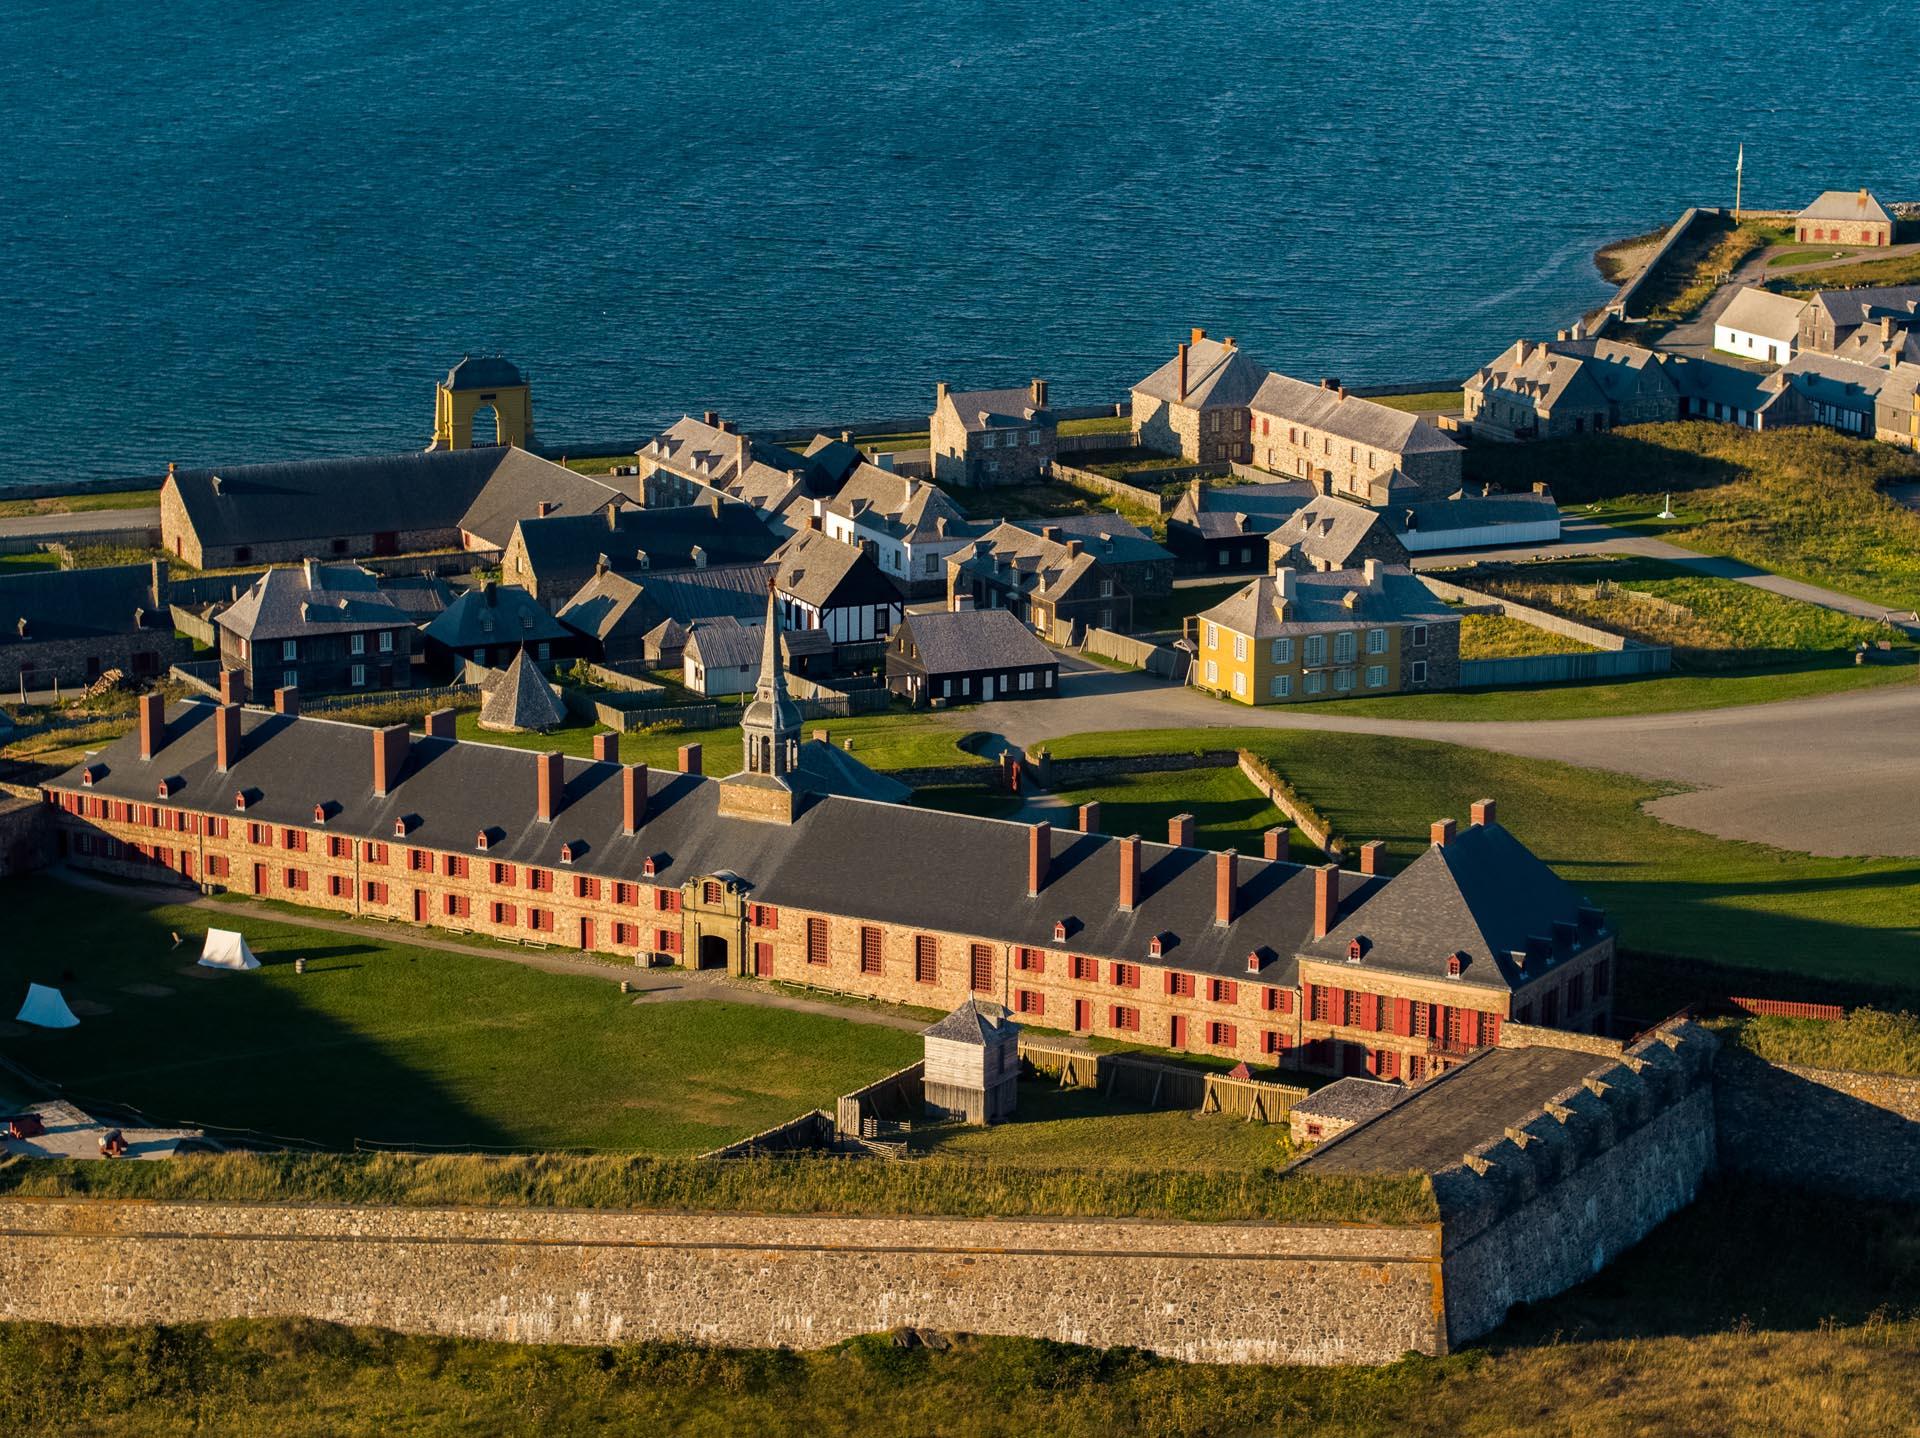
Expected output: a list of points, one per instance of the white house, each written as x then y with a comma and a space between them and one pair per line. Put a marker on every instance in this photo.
834, 588
909, 526
1760, 325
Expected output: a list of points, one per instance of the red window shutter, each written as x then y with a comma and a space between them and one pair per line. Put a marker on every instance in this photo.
1370, 1011
1403, 1017
1337, 1005
1493, 1030
1172, 986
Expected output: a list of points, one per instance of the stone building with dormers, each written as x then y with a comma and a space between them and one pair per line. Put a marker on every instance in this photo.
800, 867
1050, 580
1351, 446
992, 436
1547, 389
1196, 404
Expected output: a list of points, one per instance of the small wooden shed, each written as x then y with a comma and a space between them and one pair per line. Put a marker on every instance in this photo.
973, 1063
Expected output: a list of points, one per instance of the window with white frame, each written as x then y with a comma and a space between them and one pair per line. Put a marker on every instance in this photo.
1418, 637
1376, 641
1213, 637
358, 676
386, 642
1344, 645
1419, 674
1033, 436
1317, 682
356, 644
1213, 672
1239, 646
1240, 682
290, 649
1280, 686
1313, 649
1343, 681
289, 679
1283, 651
1376, 676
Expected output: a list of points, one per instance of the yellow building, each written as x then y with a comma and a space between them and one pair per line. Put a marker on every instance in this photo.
1294, 636
486, 394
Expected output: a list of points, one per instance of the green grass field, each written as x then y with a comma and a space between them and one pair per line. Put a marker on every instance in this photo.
81, 503
1888, 270
1669, 890
1813, 256
1103, 424
1054, 1127
1686, 1336
1433, 401
26, 563
1496, 636
385, 1042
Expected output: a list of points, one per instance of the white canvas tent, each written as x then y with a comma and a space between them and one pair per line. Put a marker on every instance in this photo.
46, 1008
227, 949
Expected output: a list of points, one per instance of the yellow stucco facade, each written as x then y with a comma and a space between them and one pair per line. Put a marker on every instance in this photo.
1328, 663
456, 402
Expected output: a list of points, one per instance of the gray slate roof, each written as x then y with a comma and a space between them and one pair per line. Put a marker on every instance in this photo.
519, 486
1320, 601
823, 572
614, 603
1473, 511
495, 614
521, 698
1034, 565
981, 409
1844, 205
1853, 307
1330, 529
1351, 1100
484, 372
908, 509
311, 599
1107, 537
71, 603
1230, 510
1761, 312
1362, 421
977, 1021
1218, 375
968, 640
730, 533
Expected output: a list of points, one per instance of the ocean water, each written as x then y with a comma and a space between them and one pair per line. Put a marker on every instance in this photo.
239, 231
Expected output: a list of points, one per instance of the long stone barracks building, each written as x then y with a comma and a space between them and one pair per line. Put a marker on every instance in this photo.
783, 871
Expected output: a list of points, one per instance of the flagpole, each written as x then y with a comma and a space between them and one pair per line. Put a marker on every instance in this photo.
1739, 173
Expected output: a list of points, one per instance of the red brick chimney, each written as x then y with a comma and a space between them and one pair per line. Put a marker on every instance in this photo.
606, 748
286, 700
226, 737
1180, 831
1273, 843
1482, 814
1182, 391
1039, 856
1326, 899
633, 798
1090, 817
153, 724
550, 776
390, 745
440, 724
233, 687
1129, 873
547, 507
689, 758
1441, 833
1226, 885
1371, 853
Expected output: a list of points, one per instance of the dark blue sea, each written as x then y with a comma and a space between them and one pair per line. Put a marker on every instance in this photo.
236, 231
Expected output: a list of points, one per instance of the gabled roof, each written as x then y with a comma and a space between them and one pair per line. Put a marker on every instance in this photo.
833, 459
905, 509
1585, 371
520, 698
1898, 343
484, 372
1338, 599
1830, 379
1218, 375
522, 483
728, 532
1711, 382
1761, 312
316, 499
968, 640
1329, 530
705, 452
1228, 510
1349, 417
1483, 896
638, 603
1105, 535
311, 599
1020, 559
1844, 205
980, 409
977, 1021
495, 614
827, 574
70, 603
726, 643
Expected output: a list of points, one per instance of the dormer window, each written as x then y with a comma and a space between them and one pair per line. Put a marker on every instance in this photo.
1454, 965
566, 853
240, 800
399, 828
1157, 946
88, 774
650, 867
1060, 931
1253, 962
165, 788
1355, 951
480, 841
319, 813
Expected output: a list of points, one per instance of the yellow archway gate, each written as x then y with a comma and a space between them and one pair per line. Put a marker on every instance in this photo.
477, 383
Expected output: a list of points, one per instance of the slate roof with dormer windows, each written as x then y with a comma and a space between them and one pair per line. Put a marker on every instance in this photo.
311, 599
1230, 511
70, 603
1330, 530
1219, 375
495, 614
523, 482
824, 573
1018, 559
983, 409
1333, 599
1349, 417
1106, 536
901, 508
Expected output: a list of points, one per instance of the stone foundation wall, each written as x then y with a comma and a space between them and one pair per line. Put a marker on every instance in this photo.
1220, 1293
1851, 1133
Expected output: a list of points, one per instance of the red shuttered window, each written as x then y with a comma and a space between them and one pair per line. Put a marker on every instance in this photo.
870, 946
1179, 986
1125, 1019
926, 959
816, 941
981, 967
1028, 1001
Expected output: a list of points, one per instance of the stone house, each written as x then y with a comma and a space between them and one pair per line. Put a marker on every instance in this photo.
1553, 388
1896, 410
1196, 404
1844, 217
1222, 529
1049, 581
1136, 559
1362, 450
992, 436
1292, 636
966, 655
1832, 317
69, 626
282, 513
1332, 533
551, 558
488, 626
692, 460
643, 618
833, 588
320, 628
1237, 957
908, 525
1328, 1112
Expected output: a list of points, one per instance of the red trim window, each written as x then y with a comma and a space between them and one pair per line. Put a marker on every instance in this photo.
712, 893
980, 963
1082, 967
372, 853
1277, 1001
419, 861
586, 887
259, 834
338, 847
1029, 1001
459, 906
1422, 1019
626, 893
294, 841
625, 936
1273, 1041
1125, 1019
1179, 986
1223, 991
540, 920
337, 887
816, 940
1126, 976
666, 901
296, 880
376, 892
501, 874
217, 866
540, 881
926, 959
1351, 1010
456, 866
1220, 1035
504, 914
1030, 961
764, 916
667, 941
870, 944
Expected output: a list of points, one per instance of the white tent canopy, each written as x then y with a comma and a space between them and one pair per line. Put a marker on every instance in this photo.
46, 1008
227, 949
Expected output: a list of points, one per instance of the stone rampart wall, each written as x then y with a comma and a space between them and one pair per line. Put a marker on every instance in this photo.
1851, 1133
1217, 1293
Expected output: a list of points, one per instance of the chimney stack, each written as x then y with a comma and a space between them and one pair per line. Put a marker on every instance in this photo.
390, 746
1182, 394
1326, 899
226, 737
606, 748
710, 418
1038, 390
633, 798
286, 700
233, 687
439, 724
1129, 873
1180, 831
546, 507
1226, 885
1483, 814
940, 392
1274, 842
1090, 817
1371, 853
1039, 857
689, 758
1441, 833
153, 724
1198, 334
550, 771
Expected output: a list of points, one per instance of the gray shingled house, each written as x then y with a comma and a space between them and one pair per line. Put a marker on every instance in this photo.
323, 628
969, 654
551, 558
992, 436
491, 624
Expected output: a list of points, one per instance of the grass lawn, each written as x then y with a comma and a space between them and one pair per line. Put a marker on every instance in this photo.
599, 463
25, 563
1710, 623
1686, 1336
81, 503
1835, 253
889, 443
1496, 636
1433, 401
1888, 270
1669, 890
1048, 500
1228, 812
1054, 1127
381, 1041
1698, 264
1803, 503
1103, 424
